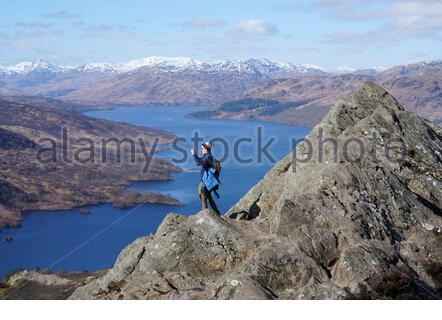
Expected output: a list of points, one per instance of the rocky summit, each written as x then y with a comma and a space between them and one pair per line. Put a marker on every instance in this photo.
327, 222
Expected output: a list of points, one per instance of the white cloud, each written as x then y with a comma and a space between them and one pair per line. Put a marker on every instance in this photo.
35, 29
31, 33
402, 20
344, 9
112, 31
375, 9
256, 27
34, 24
63, 14
202, 23
401, 8
102, 28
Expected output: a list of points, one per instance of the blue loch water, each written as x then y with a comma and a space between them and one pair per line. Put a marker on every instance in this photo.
71, 241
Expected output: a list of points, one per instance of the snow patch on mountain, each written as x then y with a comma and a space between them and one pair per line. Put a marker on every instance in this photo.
177, 64
170, 64
31, 66
160, 62
347, 70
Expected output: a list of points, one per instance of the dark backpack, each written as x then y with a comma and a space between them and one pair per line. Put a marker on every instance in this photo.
217, 166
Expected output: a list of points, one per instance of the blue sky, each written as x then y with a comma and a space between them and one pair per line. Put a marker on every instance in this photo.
358, 34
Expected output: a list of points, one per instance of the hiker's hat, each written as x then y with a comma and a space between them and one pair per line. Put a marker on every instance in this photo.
207, 145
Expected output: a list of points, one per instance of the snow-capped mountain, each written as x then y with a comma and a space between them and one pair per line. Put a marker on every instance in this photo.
173, 64
185, 81
366, 71
268, 67
415, 69
263, 67
32, 66
168, 80
176, 64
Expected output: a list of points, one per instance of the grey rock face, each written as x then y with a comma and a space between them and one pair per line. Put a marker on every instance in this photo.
185, 254
338, 226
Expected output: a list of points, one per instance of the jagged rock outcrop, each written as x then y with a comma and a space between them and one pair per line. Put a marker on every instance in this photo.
338, 226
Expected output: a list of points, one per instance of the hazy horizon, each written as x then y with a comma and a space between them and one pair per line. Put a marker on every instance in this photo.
331, 69
329, 34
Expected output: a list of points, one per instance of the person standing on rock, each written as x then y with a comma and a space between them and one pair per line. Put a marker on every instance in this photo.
208, 166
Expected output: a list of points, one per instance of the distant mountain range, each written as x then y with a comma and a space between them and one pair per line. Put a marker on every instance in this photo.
151, 80
305, 100
174, 64
185, 81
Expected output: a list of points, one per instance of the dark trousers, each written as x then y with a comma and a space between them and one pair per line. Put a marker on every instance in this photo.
205, 195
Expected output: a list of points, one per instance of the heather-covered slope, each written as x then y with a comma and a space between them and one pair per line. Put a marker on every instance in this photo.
30, 179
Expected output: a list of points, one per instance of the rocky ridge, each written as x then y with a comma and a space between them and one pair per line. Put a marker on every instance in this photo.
330, 229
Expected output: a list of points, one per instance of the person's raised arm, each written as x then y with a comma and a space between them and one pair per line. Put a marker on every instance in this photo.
199, 161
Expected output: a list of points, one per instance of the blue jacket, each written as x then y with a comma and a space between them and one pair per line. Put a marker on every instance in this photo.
205, 162
210, 181
208, 177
